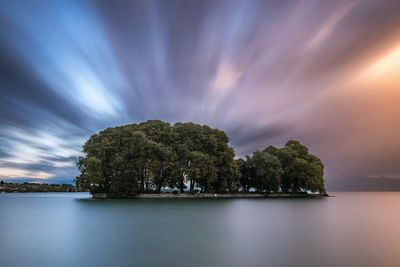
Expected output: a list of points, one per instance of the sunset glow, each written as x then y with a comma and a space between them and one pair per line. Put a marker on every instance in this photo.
387, 67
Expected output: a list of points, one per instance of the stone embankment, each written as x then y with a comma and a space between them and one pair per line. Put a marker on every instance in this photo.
214, 196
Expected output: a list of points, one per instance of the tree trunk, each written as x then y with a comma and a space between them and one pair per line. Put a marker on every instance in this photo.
160, 185
181, 185
142, 185
161, 182
191, 185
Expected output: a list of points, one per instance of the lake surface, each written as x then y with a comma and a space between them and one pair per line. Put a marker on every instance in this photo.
69, 229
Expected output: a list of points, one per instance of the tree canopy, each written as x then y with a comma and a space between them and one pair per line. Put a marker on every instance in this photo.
147, 157
144, 157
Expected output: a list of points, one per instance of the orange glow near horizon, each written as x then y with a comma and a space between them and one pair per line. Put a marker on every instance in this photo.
386, 67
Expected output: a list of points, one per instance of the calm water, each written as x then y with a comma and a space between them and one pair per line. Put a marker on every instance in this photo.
68, 229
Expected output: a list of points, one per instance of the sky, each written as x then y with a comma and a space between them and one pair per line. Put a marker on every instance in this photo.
326, 73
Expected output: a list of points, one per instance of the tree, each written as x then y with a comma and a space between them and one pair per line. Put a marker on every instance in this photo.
247, 173
116, 160
267, 171
300, 149
286, 157
192, 137
306, 171
316, 182
201, 171
161, 158
91, 176
299, 170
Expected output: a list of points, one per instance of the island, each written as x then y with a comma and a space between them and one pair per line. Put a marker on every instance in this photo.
155, 159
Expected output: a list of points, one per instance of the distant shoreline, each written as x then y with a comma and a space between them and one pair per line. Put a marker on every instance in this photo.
211, 196
7, 187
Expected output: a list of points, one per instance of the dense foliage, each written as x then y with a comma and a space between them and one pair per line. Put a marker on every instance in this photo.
151, 155
147, 157
288, 169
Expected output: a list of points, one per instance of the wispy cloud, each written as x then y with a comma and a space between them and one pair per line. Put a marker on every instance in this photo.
18, 173
227, 77
330, 24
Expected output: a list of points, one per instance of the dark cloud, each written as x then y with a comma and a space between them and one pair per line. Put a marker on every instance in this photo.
3, 153
247, 140
357, 183
25, 99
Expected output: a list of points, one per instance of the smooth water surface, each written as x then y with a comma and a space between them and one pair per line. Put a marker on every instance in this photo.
70, 229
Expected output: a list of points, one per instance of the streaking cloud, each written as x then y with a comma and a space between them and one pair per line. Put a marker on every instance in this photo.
68, 51
264, 71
